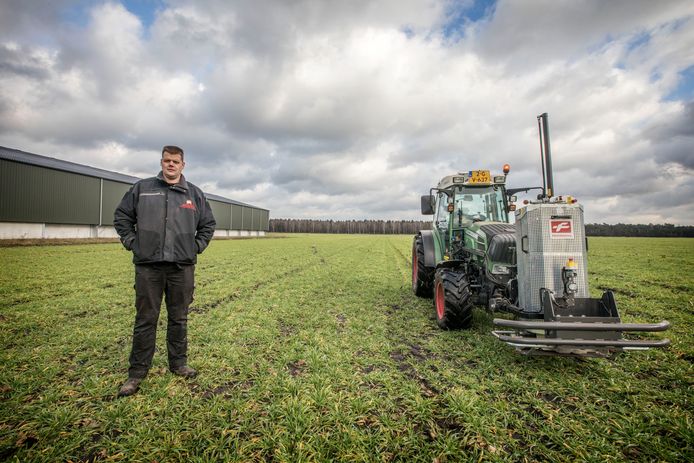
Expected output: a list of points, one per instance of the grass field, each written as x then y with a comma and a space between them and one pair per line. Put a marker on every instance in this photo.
313, 348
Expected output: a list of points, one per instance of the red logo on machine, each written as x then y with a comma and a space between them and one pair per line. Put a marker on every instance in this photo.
188, 205
561, 228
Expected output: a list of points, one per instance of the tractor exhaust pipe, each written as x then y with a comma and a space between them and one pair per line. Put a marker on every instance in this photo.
545, 156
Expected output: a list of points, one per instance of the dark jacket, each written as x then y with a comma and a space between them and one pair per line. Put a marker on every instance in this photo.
159, 222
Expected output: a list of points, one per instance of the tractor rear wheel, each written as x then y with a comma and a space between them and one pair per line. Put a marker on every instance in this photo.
422, 276
452, 299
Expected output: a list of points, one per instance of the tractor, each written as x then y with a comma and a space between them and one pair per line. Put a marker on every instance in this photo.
534, 268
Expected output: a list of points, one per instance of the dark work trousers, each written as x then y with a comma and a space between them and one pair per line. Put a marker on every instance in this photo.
152, 281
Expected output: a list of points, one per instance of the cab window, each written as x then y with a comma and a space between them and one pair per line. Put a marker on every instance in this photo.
475, 204
442, 215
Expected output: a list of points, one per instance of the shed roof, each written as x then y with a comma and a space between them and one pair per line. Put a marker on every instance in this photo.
15, 155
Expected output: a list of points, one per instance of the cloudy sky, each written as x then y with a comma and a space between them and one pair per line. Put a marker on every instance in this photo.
353, 108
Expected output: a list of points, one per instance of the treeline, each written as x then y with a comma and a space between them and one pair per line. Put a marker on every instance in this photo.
370, 227
409, 227
651, 230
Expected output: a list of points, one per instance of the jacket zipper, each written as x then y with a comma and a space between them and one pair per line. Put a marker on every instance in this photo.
166, 222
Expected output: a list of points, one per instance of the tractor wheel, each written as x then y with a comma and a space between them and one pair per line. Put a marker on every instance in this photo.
452, 299
422, 276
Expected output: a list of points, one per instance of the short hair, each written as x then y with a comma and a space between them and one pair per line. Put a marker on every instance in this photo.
172, 149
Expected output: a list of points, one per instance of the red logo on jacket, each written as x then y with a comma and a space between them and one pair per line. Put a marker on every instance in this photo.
188, 205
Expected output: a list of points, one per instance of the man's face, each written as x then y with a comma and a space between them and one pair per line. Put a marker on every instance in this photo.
172, 166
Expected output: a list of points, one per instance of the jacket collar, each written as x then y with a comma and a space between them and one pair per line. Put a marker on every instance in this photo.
181, 185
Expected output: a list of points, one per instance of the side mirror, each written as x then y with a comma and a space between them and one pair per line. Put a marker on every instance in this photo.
427, 205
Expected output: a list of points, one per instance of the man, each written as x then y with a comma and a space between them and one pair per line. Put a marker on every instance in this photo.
165, 221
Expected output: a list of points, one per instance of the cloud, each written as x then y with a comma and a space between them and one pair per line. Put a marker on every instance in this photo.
531, 33
354, 109
674, 138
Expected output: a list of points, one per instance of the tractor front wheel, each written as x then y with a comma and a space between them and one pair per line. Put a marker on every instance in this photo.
452, 299
422, 276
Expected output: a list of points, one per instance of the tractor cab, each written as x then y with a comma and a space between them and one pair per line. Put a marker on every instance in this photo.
462, 205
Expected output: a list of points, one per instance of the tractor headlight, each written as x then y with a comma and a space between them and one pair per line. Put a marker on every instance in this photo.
499, 269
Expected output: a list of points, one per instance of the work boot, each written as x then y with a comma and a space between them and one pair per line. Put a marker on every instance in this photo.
184, 371
130, 387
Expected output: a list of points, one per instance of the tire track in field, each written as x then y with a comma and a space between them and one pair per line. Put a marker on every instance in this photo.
243, 290
327, 266
250, 288
412, 355
405, 265
401, 254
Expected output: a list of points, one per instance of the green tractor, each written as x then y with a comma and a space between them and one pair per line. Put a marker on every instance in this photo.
534, 268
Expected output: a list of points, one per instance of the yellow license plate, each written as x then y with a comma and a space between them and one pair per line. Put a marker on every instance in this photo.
479, 176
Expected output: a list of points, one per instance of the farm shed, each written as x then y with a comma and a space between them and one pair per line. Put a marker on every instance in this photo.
44, 197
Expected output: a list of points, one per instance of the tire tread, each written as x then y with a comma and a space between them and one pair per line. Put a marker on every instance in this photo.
458, 299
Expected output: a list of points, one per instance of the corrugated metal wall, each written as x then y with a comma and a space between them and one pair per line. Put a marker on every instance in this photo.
113, 193
236, 220
237, 217
222, 214
37, 194
41, 195
264, 219
246, 218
